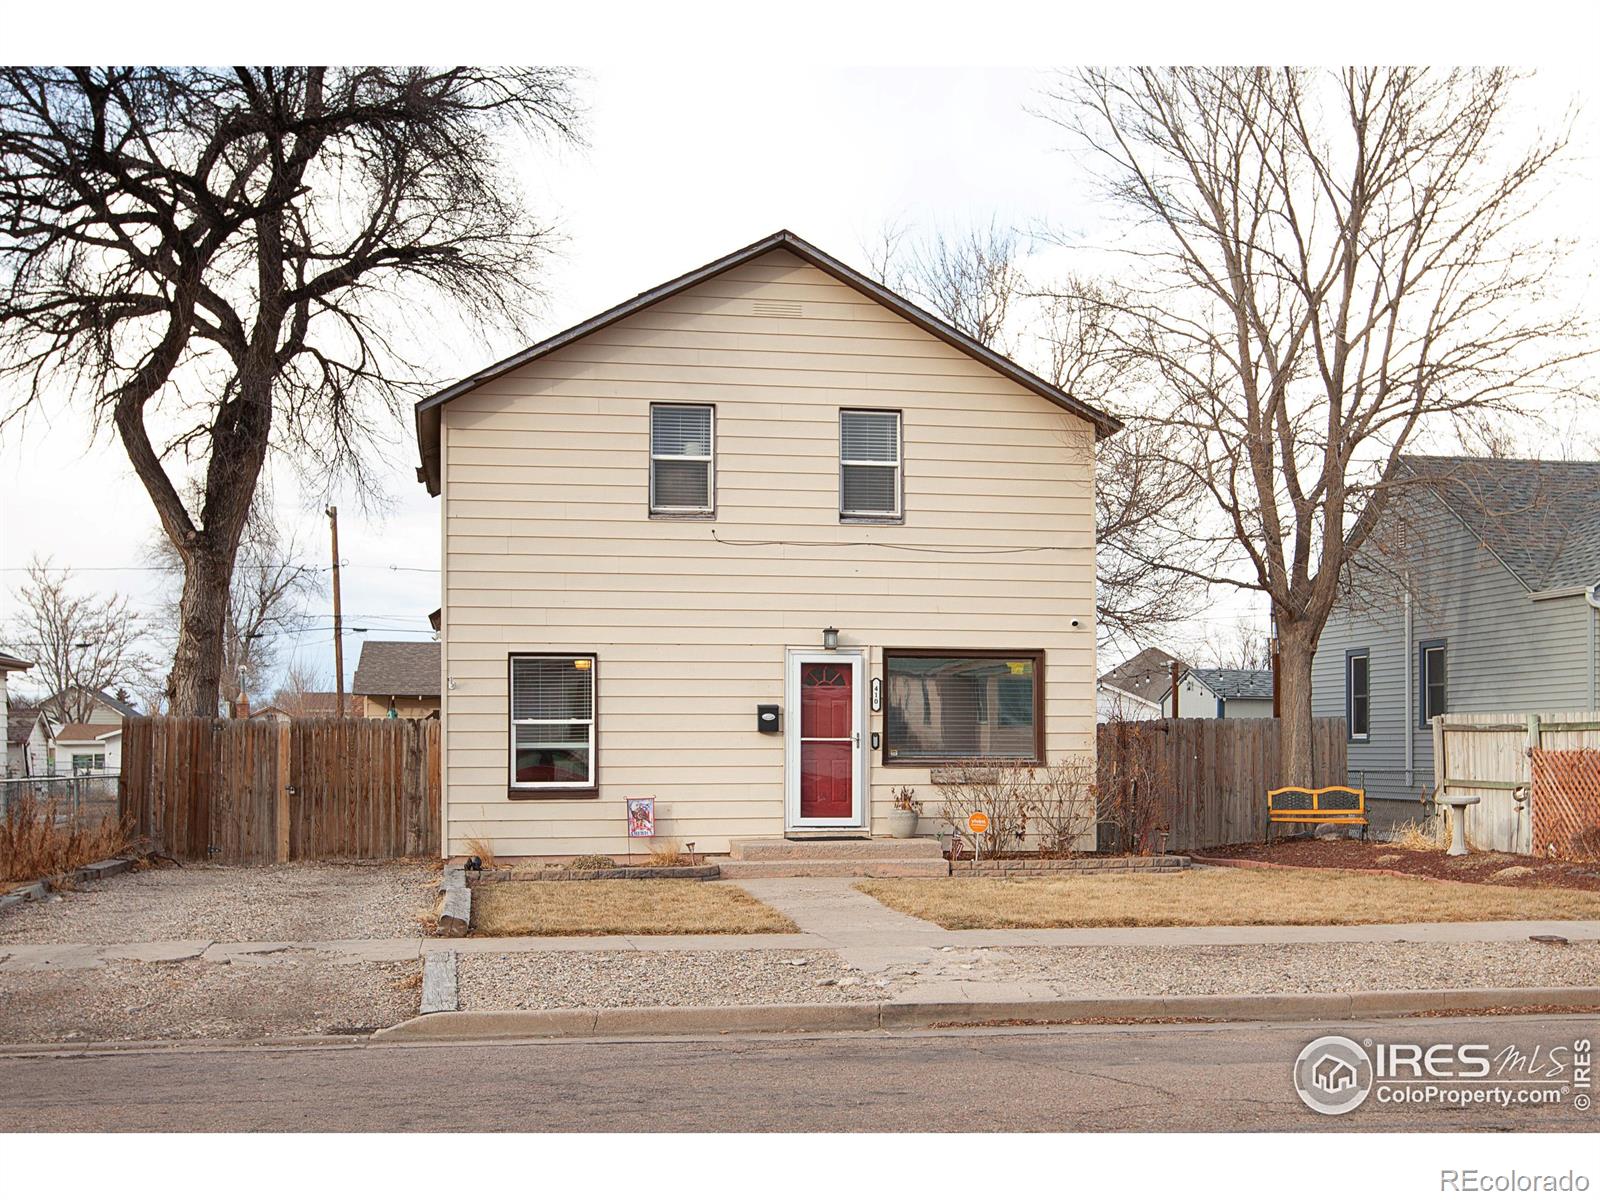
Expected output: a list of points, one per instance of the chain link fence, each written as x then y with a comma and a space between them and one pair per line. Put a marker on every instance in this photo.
75, 799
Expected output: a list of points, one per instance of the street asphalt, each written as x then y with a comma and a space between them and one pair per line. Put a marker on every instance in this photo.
1102, 1078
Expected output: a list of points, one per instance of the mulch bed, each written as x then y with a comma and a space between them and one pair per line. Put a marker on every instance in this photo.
1490, 866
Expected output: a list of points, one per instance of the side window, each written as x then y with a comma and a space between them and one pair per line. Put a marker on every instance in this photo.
870, 484
1432, 674
1357, 694
552, 722
682, 460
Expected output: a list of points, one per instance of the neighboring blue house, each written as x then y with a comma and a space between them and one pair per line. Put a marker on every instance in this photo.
1477, 594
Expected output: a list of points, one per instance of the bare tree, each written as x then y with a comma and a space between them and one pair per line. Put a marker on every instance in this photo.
79, 643
269, 582
1328, 266
223, 255
305, 692
975, 281
1241, 646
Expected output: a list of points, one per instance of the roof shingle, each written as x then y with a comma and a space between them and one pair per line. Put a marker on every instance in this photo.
397, 669
1540, 518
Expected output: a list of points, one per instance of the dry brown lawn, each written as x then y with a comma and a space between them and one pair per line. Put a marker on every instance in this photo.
626, 906
1220, 897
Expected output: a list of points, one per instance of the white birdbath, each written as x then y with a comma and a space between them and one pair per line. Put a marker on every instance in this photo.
1458, 823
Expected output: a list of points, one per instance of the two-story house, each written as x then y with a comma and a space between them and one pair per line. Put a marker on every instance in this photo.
764, 544
1478, 594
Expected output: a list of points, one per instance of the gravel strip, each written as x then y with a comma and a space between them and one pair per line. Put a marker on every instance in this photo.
291, 902
283, 996
641, 979
1335, 967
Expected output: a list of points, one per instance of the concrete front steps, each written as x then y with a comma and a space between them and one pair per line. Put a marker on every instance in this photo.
837, 858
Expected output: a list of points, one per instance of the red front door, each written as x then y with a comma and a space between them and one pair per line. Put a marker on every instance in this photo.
827, 739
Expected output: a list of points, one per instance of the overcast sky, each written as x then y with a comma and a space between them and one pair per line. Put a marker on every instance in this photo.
681, 167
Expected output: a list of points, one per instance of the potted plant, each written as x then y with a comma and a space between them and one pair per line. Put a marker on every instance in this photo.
903, 816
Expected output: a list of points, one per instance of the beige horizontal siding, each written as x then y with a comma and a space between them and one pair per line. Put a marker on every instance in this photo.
548, 545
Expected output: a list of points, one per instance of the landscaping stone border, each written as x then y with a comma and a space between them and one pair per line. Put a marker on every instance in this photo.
40, 888
566, 874
1007, 868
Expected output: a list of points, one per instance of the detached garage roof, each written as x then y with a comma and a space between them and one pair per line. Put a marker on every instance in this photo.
1232, 684
397, 669
428, 410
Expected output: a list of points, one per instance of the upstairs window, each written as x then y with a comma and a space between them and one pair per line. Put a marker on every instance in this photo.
1358, 694
682, 460
552, 722
1431, 671
869, 464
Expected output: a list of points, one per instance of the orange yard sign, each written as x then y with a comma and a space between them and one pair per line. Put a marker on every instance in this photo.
978, 822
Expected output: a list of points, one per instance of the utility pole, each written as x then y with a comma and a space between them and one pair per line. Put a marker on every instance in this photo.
1272, 645
1174, 687
338, 619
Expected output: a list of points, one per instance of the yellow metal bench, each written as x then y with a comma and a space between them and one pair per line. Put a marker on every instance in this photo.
1317, 806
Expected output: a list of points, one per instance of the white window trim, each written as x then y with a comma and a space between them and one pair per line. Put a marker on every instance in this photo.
588, 783
899, 512
709, 458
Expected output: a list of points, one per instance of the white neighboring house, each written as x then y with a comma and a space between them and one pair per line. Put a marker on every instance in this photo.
87, 749
1221, 692
73, 748
8, 665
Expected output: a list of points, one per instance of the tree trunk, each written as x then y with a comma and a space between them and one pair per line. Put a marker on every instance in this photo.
1297, 644
196, 679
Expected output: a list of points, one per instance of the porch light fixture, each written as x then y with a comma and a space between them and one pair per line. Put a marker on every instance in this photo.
830, 638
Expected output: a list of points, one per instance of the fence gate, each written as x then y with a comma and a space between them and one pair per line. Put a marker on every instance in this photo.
1492, 755
256, 791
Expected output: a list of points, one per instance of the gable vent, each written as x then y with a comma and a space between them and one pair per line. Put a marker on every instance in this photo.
777, 308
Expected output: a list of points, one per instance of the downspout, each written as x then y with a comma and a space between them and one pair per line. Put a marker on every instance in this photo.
1594, 635
1406, 722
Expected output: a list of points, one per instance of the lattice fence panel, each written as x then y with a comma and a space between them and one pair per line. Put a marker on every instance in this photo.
1566, 803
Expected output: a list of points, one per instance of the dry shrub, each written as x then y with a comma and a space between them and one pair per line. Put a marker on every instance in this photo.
1063, 803
1134, 781
1585, 846
592, 862
482, 850
1424, 835
669, 854
33, 845
1001, 791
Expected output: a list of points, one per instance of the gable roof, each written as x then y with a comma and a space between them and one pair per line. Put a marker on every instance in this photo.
85, 733
427, 412
1540, 518
111, 702
1147, 675
20, 720
397, 669
9, 663
1229, 683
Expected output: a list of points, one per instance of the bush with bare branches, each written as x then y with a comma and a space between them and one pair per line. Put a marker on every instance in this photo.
1002, 791
1133, 783
34, 844
1063, 803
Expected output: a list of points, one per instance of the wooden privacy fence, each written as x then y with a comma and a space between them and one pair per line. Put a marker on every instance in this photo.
1215, 774
1491, 755
257, 791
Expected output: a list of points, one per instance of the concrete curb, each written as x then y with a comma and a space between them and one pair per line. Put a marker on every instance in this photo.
892, 1014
